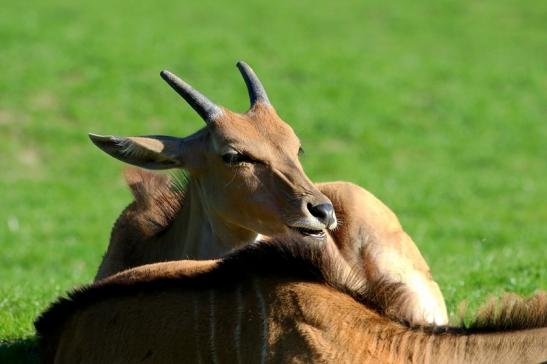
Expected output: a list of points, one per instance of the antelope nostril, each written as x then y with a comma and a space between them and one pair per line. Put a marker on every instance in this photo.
324, 212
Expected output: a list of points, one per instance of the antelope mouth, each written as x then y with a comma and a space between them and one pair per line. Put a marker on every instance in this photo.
318, 234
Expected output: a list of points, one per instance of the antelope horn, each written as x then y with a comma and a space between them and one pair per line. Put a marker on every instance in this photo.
257, 93
207, 109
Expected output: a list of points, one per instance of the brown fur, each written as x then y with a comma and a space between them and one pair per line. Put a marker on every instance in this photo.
362, 238
263, 192
298, 303
158, 198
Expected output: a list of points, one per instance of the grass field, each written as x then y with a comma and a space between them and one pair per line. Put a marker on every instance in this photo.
438, 108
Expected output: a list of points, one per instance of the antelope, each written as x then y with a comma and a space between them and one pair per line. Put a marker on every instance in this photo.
280, 301
245, 181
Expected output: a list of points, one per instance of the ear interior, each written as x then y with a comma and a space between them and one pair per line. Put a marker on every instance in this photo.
151, 152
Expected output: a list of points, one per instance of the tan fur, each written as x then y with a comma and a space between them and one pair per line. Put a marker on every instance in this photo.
156, 202
369, 237
272, 303
372, 240
225, 206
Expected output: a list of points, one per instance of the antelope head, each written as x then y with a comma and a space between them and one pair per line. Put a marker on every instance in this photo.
246, 166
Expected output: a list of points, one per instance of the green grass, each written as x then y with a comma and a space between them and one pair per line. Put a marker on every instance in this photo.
436, 107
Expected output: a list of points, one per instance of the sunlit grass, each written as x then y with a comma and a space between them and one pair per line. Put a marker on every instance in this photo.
438, 108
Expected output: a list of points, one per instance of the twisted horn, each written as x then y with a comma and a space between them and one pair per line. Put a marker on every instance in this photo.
257, 93
208, 110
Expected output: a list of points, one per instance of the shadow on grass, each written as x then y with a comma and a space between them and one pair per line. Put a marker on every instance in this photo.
24, 351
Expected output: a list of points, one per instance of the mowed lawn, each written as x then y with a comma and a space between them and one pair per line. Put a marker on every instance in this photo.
438, 108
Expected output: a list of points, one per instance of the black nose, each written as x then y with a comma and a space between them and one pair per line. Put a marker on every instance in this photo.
324, 212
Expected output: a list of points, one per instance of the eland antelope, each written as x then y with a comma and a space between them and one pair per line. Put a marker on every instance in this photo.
244, 179
279, 301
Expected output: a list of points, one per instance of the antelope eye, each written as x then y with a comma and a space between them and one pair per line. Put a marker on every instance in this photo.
233, 158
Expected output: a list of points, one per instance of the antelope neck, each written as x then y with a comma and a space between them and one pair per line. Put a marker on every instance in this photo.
204, 233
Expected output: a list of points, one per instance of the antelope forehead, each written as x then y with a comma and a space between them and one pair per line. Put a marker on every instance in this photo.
235, 130
281, 136
257, 126
253, 138
240, 143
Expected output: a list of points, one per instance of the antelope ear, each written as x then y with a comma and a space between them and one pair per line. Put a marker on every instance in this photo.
151, 152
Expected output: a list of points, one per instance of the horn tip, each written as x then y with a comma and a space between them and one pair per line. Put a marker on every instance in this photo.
94, 136
165, 74
243, 65
97, 138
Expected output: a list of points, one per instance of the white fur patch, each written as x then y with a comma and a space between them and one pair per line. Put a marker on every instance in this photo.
427, 305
